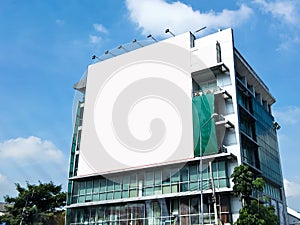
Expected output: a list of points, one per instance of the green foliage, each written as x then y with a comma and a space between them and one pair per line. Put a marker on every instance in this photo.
252, 212
35, 204
242, 178
256, 214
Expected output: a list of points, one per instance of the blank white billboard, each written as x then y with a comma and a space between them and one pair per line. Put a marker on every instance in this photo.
138, 109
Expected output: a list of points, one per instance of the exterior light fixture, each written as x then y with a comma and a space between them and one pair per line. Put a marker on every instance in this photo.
168, 31
121, 47
150, 36
108, 52
96, 57
135, 41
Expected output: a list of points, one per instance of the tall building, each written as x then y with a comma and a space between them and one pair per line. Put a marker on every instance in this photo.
142, 120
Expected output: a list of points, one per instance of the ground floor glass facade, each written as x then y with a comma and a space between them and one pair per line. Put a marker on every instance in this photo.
175, 211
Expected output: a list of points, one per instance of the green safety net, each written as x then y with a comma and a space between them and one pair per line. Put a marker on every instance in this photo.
203, 108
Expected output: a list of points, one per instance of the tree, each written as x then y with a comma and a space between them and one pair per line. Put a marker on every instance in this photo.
35, 204
252, 212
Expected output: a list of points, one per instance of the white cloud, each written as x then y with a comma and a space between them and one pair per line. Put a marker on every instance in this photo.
154, 16
284, 10
292, 193
100, 28
29, 149
288, 42
292, 189
94, 39
288, 116
30, 159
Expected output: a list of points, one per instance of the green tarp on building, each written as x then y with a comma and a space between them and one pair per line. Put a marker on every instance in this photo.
203, 108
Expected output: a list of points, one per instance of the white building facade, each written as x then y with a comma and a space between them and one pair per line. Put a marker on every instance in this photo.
143, 118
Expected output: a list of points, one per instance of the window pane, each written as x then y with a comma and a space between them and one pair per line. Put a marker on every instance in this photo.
194, 186
75, 188
96, 186
157, 190
175, 176
82, 188
117, 183
184, 174
109, 195
132, 193
149, 178
125, 194
166, 189
117, 195
126, 182
184, 187
222, 169
89, 185
88, 198
96, 197
81, 199
157, 177
133, 181
193, 173
102, 185
148, 191
174, 188
110, 185
103, 196
166, 176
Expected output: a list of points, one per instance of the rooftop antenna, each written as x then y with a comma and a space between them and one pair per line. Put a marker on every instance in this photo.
96, 57
135, 41
168, 31
153, 38
202, 28
121, 47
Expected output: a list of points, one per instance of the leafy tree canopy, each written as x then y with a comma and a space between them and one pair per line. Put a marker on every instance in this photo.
35, 204
253, 211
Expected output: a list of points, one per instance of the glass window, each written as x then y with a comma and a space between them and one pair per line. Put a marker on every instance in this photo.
133, 181
126, 179
194, 186
109, 195
96, 186
82, 188
117, 183
89, 185
149, 178
102, 185
88, 198
148, 191
96, 197
184, 174
117, 195
174, 188
125, 194
193, 172
110, 185
222, 169
166, 189
75, 188
157, 177
174, 176
103, 196
132, 193
166, 176
81, 199
157, 190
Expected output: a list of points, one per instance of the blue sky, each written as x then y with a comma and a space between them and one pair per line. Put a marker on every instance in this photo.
45, 47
